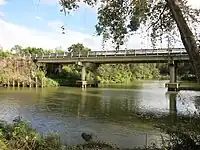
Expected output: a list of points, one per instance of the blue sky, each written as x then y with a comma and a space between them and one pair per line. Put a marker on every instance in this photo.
37, 23
27, 12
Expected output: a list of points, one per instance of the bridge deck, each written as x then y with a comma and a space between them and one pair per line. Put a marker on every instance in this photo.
122, 56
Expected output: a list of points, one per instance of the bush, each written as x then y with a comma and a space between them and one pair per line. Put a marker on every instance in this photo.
47, 82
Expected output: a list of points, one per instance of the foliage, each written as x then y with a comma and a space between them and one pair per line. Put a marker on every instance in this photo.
20, 135
48, 82
181, 136
77, 48
17, 49
4, 54
118, 18
17, 69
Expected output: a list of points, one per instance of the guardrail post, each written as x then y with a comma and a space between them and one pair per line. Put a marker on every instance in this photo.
71, 54
42, 55
106, 53
135, 52
64, 54
56, 55
79, 54
88, 53
49, 55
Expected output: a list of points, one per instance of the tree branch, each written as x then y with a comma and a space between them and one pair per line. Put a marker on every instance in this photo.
158, 17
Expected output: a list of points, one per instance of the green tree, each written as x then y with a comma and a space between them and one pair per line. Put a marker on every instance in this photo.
16, 49
78, 48
119, 18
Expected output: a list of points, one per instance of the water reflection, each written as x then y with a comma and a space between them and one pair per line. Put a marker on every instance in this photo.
114, 114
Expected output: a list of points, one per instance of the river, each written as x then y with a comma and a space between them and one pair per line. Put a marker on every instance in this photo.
112, 113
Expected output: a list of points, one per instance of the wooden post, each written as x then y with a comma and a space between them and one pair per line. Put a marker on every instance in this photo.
30, 82
13, 83
36, 82
42, 84
8, 84
22, 83
18, 83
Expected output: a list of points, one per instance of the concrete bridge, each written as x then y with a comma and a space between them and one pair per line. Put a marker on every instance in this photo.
165, 55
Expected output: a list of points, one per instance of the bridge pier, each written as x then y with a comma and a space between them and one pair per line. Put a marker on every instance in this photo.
83, 82
94, 68
83, 77
173, 85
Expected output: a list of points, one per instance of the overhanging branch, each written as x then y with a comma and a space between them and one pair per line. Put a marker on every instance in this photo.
158, 17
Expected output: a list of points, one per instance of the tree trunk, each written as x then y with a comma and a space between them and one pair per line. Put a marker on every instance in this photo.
187, 36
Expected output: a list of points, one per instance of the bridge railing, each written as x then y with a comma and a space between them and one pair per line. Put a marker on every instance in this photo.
128, 52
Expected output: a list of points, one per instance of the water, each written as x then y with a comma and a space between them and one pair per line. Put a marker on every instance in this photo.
113, 113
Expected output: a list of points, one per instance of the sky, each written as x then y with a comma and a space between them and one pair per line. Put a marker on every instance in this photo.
37, 23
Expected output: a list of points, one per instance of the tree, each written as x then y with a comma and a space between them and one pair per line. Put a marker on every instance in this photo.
78, 48
117, 19
16, 49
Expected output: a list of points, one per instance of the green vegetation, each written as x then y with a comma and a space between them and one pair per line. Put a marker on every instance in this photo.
15, 67
20, 135
164, 20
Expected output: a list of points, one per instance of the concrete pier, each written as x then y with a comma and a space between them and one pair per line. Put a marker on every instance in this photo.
173, 85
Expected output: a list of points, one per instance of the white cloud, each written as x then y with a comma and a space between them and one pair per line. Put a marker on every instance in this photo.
2, 14
2, 2
55, 25
12, 34
194, 3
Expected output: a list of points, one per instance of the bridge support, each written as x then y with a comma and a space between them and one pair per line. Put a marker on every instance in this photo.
83, 77
94, 68
173, 85
83, 82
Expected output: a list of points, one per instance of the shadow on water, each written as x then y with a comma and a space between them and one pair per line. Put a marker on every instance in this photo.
117, 114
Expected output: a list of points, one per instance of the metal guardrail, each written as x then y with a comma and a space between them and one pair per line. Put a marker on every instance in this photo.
129, 52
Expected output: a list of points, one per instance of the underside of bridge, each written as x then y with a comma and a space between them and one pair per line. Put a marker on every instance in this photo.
172, 85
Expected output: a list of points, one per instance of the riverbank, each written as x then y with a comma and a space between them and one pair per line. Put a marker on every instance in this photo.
20, 135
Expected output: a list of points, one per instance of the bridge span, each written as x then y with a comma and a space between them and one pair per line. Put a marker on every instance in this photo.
165, 55
121, 56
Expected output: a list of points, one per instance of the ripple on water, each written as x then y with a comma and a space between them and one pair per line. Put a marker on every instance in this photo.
115, 115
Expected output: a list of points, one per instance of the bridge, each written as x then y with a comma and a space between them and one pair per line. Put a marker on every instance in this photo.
165, 55
121, 56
